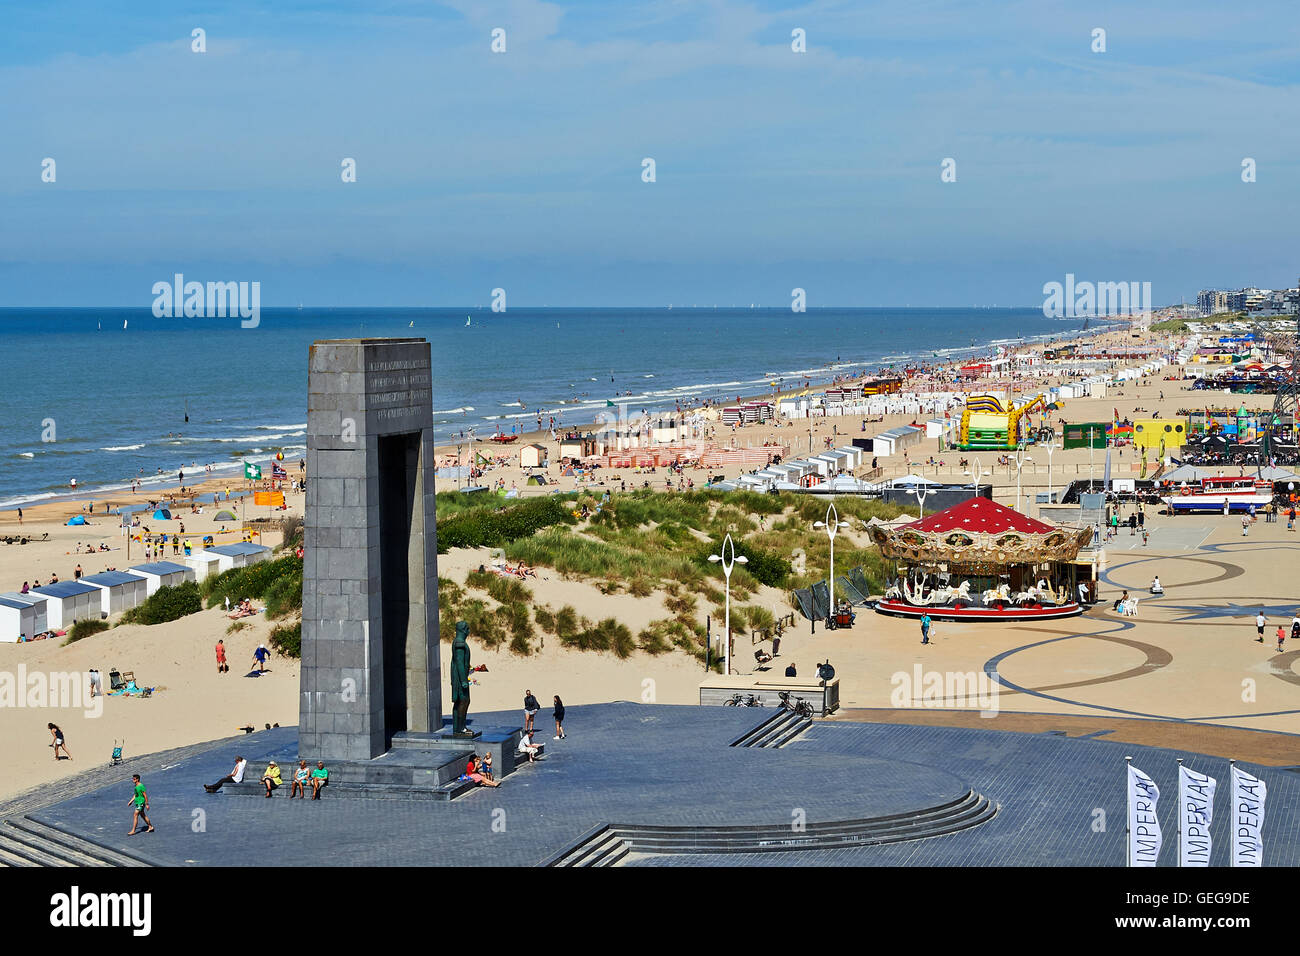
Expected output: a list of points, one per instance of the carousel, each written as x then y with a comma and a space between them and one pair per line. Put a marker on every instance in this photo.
981, 561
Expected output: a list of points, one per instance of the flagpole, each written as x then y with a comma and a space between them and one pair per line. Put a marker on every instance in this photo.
1128, 796
1232, 796
1180, 811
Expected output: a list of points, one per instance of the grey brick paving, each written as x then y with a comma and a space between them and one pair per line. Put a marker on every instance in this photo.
628, 763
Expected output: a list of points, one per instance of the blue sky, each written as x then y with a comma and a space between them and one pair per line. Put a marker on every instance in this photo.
522, 170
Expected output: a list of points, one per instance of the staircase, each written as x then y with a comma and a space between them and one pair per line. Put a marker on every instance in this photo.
24, 842
609, 845
777, 731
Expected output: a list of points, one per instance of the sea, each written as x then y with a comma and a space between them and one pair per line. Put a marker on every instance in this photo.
110, 395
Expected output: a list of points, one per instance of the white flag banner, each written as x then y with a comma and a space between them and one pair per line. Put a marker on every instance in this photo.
1196, 813
1248, 795
1144, 839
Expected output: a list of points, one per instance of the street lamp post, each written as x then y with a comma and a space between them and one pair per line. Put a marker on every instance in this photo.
1090, 471
1051, 447
921, 491
832, 524
1021, 458
978, 474
728, 562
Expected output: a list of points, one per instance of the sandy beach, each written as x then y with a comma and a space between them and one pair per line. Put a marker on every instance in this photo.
194, 703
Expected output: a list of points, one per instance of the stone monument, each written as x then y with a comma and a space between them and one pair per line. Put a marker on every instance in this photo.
370, 650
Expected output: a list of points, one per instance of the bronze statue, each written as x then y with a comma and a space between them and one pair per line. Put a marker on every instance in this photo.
460, 678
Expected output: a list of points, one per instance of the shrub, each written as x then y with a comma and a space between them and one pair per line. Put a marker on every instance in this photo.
503, 590
236, 626
84, 628
545, 618
291, 530
640, 587
487, 528
608, 635
287, 639
248, 582
655, 639
567, 624
166, 604
284, 596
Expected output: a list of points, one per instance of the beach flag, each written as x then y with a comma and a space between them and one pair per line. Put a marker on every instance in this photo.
1196, 807
609, 404
1144, 837
252, 472
1248, 796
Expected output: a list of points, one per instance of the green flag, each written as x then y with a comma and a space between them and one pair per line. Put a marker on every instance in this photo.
252, 472
609, 404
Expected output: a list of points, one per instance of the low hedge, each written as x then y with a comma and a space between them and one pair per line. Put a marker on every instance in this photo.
488, 528
166, 604
252, 581
84, 628
287, 639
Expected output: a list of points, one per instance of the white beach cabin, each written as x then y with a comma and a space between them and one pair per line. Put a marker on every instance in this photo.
162, 574
17, 620
238, 555
202, 564
67, 602
118, 590
37, 604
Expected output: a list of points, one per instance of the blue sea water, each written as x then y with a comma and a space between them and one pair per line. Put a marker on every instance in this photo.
112, 387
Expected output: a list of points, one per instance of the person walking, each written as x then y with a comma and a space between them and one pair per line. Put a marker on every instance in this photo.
222, 666
559, 718
531, 707
1245, 525
925, 628
1281, 638
58, 744
1290, 519
140, 798
1260, 623
260, 655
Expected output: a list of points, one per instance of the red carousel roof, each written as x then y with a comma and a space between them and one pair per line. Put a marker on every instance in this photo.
980, 515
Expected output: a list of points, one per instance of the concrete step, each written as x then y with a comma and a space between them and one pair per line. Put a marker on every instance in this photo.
34, 856
95, 853
969, 811
603, 848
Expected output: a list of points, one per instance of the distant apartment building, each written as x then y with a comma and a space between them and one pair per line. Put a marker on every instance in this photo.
1249, 299
1212, 301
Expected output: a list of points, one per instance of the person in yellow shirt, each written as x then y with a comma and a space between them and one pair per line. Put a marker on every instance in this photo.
271, 778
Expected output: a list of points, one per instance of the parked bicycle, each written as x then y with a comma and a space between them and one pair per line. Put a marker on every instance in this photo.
743, 700
797, 705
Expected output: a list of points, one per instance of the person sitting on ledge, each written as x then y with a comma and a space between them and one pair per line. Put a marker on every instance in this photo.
526, 746
271, 779
300, 778
473, 772
790, 671
235, 776
320, 777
